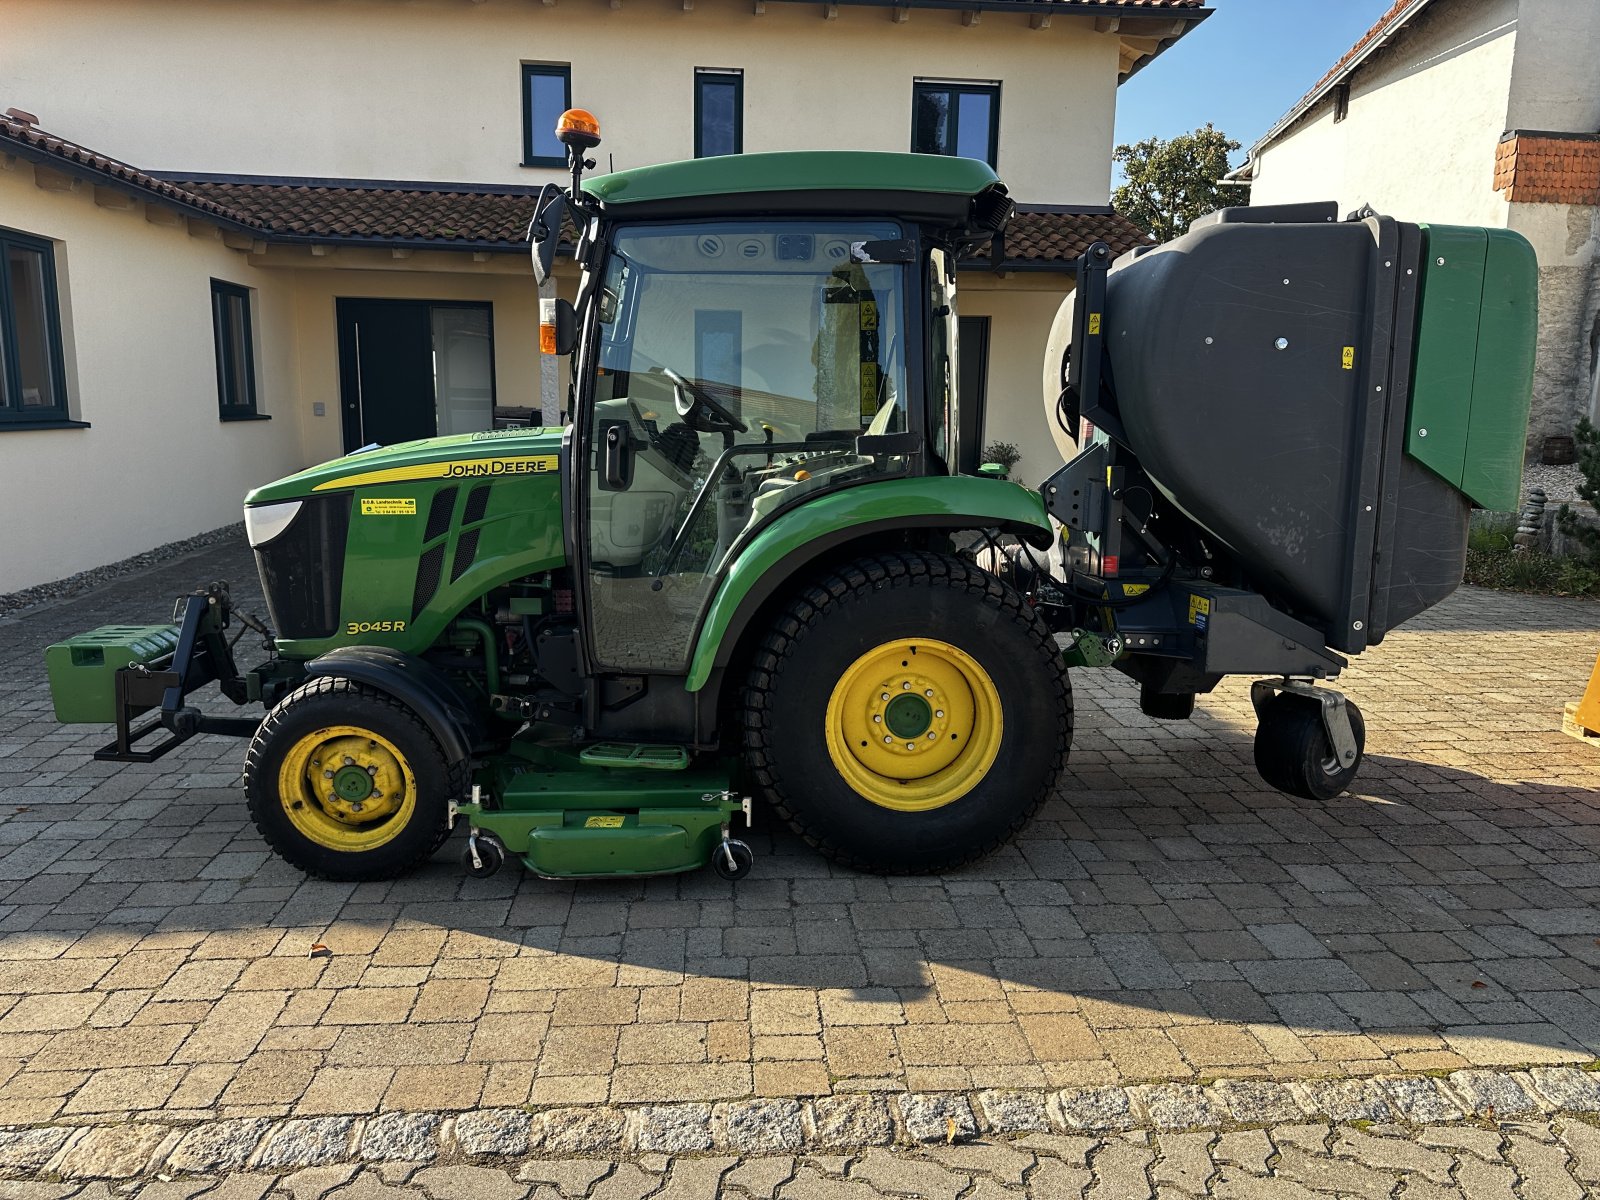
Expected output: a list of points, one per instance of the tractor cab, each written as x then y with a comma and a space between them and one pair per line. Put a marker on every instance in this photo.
750, 333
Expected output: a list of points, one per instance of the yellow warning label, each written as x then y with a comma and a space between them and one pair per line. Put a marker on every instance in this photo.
869, 314
1135, 589
389, 506
1199, 608
603, 823
1094, 322
1348, 358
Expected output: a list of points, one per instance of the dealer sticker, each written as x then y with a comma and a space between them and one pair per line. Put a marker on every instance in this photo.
603, 823
389, 506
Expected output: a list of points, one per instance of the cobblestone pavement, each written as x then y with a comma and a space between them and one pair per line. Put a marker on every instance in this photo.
1165, 919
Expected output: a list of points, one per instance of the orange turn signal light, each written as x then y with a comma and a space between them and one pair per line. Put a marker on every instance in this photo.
547, 339
578, 126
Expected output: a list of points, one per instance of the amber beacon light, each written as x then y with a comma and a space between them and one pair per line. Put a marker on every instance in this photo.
578, 127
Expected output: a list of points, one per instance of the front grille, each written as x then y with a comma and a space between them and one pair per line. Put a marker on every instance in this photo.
439, 513
429, 567
302, 569
477, 503
466, 551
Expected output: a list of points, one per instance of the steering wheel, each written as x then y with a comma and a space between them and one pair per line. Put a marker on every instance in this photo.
690, 393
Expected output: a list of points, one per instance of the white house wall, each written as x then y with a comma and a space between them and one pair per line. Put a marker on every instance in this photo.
431, 90
1424, 118
157, 464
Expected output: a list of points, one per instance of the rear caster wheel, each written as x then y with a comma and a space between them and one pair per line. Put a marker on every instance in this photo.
482, 857
733, 859
1293, 752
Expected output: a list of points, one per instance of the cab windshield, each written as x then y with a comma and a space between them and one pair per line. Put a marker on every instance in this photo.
739, 362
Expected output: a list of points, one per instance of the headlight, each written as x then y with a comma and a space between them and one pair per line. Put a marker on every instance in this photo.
263, 522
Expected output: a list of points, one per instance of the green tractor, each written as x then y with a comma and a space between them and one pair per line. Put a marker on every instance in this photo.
762, 563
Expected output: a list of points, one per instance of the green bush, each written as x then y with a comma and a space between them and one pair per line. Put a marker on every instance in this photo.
1530, 571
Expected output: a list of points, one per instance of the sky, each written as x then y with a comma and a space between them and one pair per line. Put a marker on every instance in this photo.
1242, 68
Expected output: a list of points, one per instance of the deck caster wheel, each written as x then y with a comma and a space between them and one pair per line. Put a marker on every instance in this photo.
483, 856
733, 859
1294, 753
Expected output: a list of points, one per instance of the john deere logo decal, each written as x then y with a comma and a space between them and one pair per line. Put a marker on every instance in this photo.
534, 464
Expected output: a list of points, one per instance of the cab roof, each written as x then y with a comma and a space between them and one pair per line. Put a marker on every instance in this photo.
917, 186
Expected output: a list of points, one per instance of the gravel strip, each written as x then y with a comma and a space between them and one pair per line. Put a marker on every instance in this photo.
87, 581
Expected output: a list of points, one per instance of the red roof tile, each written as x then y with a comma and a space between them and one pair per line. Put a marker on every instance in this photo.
31, 142
1548, 168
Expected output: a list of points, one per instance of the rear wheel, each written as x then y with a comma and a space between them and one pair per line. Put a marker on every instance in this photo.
1294, 753
907, 713
347, 783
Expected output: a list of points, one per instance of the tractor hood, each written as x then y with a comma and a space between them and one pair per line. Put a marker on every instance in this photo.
493, 454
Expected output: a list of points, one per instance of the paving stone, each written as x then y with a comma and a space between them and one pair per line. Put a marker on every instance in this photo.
30, 1149
760, 1178
1095, 1109
1183, 1162
1583, 1142
671, 1128
848, 1121
628, 1182
1177, 1105
1012, 1111
578, 1130
406, 1137
492, 1131
1344, 1099
997, 1159
1394, 1154
1246, 1148
217, 1146
758, 1126
1121, 1171
113, 1151
694, 1178
1419, 1099
313, 1183
307, 1142
1256, 1102
936, 1118
892, 1172
469, 1183
810, 1184
1491, 1093
1567, 1089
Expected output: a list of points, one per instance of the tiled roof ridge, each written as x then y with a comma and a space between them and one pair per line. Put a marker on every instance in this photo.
41, 145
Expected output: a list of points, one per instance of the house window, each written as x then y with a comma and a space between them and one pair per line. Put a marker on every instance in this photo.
32, 382
546, 94
956, 118
236, 356
718, 113
1341, 102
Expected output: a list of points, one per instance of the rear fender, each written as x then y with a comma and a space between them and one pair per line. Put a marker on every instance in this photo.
417, 684
802, 535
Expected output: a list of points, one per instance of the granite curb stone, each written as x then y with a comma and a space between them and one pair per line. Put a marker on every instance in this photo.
777, 1126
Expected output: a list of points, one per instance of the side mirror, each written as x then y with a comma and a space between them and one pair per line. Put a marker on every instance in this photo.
558, 327
544, 234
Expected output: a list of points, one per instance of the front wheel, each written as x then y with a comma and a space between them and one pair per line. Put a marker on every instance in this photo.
908, 713
347, 783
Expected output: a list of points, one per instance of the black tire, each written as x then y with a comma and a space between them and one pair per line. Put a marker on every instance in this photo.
491, 857
744, 859
408, 836
859, 609
1293, 753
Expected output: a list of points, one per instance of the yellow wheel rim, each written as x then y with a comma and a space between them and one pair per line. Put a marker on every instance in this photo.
347, 788
914, 725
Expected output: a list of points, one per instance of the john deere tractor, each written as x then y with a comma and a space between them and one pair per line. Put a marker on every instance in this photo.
763, 565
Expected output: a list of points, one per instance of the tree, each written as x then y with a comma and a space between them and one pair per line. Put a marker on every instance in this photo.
1171, 182
1586, 534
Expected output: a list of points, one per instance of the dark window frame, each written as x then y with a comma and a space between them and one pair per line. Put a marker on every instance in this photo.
231, 408
12, 414
721, 76
531, 71
1341, 101
955, 88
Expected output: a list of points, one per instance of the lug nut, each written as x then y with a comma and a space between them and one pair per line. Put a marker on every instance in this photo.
938, 712
928, 692
348, 761
877, 720
372, 770
887, 738
327, 774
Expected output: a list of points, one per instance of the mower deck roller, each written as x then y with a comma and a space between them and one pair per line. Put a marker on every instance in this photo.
765, 560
